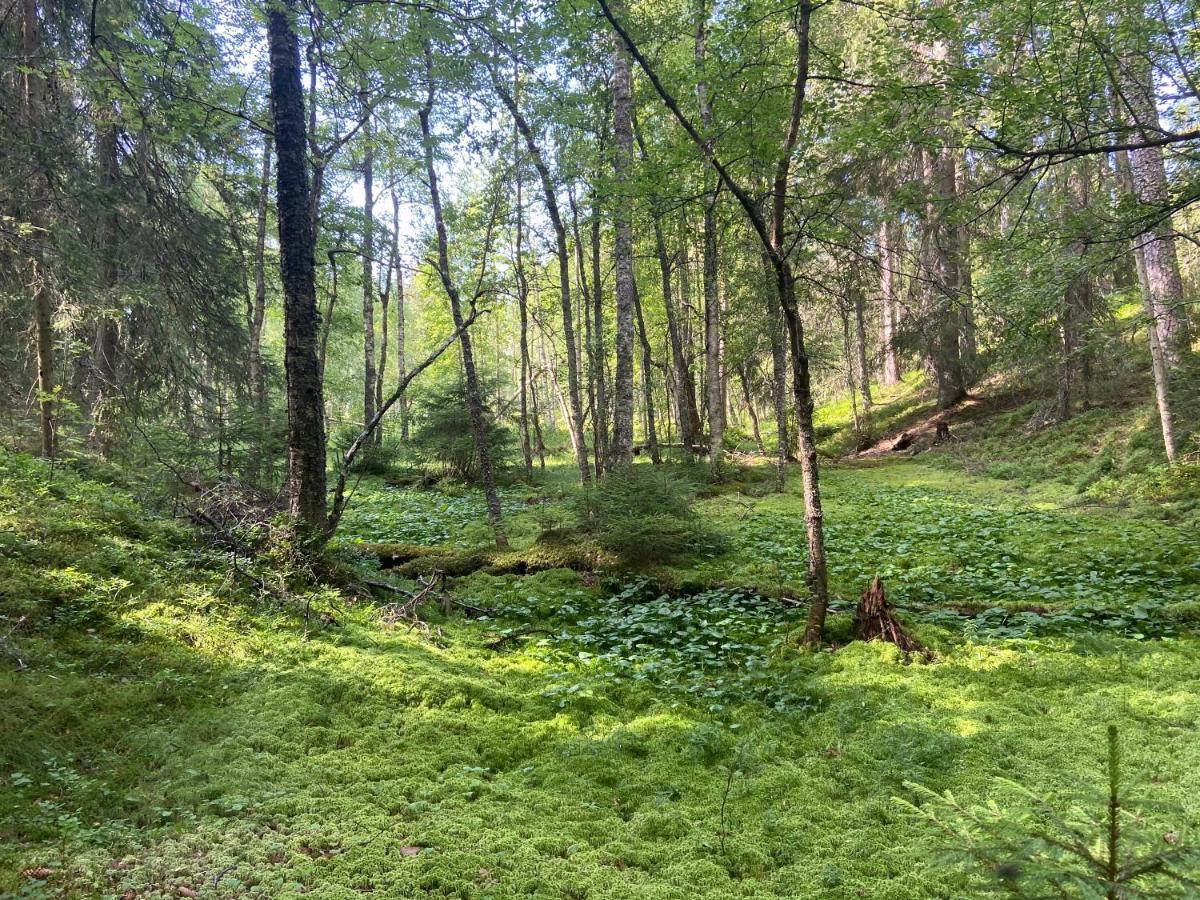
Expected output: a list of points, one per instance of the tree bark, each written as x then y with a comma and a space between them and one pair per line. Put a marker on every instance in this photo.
33, 95
107, 341
474, 395
621, 449
368, 278
714, 390
258, 380
523, 310
1160, 367
1149, 186
306, 413
860, 335
401, 360
888, 241
744, 376
647, 382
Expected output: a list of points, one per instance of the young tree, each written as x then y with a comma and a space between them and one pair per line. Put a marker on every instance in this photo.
773, 239
575, 417
473, 392
620, 453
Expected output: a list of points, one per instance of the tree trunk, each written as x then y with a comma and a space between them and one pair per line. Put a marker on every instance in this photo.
575, 416
714, 391
106, 346
860, 335
889, 278
523, 309
1152, 192
942, 319
647, 382
785, 453
621, 449
33, 90
685, 383
474, 395
744, 376
368, 278
401, 361
598, 373
258, 380
306, 413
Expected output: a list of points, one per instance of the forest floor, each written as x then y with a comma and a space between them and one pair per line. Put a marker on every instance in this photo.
169, 729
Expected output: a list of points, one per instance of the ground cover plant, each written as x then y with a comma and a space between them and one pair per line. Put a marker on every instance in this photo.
599, 450
175, 728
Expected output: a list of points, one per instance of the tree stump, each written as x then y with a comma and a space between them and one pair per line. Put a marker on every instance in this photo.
874, 620
943, 433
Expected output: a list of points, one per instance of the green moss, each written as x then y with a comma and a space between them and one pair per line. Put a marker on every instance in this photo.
187, 733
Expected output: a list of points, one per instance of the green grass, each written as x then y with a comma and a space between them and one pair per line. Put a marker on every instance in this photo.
174, 728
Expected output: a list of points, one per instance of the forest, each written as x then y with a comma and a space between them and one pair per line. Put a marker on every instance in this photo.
600, 449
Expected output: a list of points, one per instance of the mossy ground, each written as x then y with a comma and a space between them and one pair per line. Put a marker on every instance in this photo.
173, 731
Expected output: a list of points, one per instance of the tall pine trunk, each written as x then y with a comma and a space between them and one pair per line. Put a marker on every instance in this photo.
1149, 186
297, 268
888, 241
33, 96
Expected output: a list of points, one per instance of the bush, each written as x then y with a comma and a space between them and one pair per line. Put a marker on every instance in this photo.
642, 514
443, 435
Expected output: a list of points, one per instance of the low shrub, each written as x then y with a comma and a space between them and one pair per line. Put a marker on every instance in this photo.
642, 514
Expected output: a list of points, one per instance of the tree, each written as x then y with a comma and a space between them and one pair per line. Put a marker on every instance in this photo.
474, 395
714, 393
775, 247
575, 417
620, 453
297, 269
33, 94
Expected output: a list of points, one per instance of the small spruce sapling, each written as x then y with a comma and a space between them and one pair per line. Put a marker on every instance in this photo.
1049, 848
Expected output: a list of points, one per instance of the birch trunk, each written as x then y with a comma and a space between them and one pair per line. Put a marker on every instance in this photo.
620, 452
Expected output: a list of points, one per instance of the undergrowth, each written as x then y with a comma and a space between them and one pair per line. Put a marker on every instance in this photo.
170, 728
